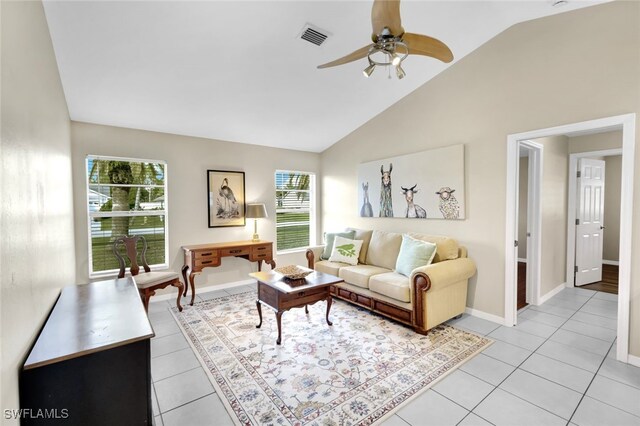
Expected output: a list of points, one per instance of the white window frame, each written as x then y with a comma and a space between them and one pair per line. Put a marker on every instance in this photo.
90, 214
312, 211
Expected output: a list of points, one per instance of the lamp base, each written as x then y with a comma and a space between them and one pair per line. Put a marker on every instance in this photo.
255, 238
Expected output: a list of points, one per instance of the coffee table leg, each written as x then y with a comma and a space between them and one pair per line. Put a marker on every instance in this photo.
306, 309
329, 302
279, 321
259, 306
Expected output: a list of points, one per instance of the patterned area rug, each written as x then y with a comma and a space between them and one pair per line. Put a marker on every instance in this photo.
356, 372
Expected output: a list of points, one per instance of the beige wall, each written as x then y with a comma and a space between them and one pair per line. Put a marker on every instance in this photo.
612, 178
595, 142
37, 245
537, 74
188, 159
523, 198
553, 212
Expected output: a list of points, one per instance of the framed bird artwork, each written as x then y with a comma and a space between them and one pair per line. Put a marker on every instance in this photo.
226, 205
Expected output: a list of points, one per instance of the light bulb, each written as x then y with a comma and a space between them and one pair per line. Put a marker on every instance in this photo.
369, 70
400, 72
396, 60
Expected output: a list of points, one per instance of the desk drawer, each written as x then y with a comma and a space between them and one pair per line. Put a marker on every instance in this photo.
262, 252
205, 254
206, 262
234, 251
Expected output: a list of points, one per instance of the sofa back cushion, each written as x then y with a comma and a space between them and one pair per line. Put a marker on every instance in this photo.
383, 249
447, 247
365, 236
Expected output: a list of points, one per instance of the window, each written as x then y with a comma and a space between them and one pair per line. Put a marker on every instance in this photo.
295, 210
125, 196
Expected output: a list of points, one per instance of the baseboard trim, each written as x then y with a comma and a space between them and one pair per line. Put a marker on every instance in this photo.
214, 287
484, 315
634, 360
552, 293
611, 262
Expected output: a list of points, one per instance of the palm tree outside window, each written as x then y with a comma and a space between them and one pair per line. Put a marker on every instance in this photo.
295, 210
126, 196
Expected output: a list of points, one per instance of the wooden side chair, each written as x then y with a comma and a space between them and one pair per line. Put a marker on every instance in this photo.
147, 282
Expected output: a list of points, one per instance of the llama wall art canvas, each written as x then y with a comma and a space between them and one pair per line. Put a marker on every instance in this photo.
423, 185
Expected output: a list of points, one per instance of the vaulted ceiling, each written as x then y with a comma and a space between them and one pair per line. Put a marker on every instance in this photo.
238, 70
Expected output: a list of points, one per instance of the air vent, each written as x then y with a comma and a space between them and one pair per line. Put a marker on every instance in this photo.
313, 34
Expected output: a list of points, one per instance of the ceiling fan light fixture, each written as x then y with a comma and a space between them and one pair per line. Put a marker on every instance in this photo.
400, 72
396, 59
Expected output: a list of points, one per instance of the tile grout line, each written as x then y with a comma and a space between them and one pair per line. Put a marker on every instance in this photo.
177, 374
518, 368
189, 402
590, 383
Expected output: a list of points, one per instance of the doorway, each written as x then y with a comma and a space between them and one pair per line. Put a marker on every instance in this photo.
626, 123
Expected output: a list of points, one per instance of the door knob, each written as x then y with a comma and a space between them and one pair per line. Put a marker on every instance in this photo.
602, 227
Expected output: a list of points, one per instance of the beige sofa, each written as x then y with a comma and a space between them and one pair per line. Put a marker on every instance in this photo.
430, 296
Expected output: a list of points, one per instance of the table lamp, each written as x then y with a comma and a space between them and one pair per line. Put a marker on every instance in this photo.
256, 211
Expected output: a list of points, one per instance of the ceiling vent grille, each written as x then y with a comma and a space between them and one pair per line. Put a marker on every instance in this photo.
313, 34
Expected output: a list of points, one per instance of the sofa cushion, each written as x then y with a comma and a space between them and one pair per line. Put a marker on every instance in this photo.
359, 275
365, 236
391, 284
447, 247
346, 250
328, 240
383, 249
327, 267
413, 254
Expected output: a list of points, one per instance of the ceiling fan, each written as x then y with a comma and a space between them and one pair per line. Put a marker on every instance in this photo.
391, 43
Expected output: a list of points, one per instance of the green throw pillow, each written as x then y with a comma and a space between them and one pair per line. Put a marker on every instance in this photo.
328, 239
346, 250
413, 254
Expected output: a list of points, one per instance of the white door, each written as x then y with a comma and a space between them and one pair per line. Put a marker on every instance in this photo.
590, 223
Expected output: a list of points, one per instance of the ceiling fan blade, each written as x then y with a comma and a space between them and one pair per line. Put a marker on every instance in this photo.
386, 13
353, 56
419, 44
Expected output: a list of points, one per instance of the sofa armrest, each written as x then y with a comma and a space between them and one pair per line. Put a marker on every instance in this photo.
314, 253
442, 274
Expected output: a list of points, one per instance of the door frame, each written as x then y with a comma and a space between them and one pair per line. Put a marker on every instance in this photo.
572, 206
626, 122
534, 221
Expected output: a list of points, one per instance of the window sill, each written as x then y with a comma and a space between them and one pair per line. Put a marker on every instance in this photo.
292, 251
113, 273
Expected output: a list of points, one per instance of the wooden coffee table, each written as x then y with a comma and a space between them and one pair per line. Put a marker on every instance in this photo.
282, 294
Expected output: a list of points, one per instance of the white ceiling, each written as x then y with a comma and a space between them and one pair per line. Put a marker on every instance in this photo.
237, 71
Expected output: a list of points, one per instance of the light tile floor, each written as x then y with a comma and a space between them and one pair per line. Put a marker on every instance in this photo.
557, 366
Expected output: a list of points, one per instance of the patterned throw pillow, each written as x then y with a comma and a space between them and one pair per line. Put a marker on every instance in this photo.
346, 251
413, 254
329, 237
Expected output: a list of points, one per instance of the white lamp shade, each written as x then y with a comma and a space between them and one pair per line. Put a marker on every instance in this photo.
256, 211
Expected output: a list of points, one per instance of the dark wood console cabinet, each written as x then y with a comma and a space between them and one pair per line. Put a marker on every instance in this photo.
91, 363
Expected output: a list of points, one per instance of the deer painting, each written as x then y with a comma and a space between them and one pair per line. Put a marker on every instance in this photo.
366, 210
413, 210
386, 204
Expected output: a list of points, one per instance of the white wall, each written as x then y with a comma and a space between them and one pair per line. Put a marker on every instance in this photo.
188, 159
535, 75
37, 244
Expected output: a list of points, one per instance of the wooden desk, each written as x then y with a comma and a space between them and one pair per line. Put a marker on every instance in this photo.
93, 354
200, 256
